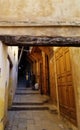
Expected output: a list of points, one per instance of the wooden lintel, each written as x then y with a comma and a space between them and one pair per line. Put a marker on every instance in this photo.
40, 41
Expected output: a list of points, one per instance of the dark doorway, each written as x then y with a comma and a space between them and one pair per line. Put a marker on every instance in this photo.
24, 68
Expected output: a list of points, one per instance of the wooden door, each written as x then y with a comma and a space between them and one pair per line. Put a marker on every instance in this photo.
65, 84
70, 88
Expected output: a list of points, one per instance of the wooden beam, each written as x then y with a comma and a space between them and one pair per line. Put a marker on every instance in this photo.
40, 41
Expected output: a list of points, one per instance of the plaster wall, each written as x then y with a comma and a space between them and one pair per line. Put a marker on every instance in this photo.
41, 31
4, 79
75, 59
13, 53
3, 82
39, 12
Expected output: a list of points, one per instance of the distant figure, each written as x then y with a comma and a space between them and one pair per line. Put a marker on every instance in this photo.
26, 79
36, 86
33, 81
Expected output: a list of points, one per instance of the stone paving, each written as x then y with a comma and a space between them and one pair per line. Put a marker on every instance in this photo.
32, 119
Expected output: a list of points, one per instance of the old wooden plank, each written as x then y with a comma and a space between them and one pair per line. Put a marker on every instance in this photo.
40, 41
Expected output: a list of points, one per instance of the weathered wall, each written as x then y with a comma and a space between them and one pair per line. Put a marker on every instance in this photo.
4, 80
41, 31
13, 53
31, 12
75, 58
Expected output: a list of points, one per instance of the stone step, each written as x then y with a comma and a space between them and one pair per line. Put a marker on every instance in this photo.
52, 109
15, 108
27, 103
21, 89
20, 93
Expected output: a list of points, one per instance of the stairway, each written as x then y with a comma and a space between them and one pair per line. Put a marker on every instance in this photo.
31, 111
28, 99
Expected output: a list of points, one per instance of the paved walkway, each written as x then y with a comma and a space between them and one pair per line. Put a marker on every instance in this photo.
31, 112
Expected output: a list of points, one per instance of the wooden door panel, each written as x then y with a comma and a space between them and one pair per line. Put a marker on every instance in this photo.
60, 51
64, 96
63, 80
67, 61
65, 85
61, 64
71, 98
73, 118
60, 94
57, 67
59, 80
69, 78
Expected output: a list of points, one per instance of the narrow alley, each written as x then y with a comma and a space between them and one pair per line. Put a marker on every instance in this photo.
40, 89
31, 111
39, 64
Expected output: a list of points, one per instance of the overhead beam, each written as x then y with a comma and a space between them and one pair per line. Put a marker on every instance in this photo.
40, 41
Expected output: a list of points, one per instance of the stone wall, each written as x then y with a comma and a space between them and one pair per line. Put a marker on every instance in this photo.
39, 12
